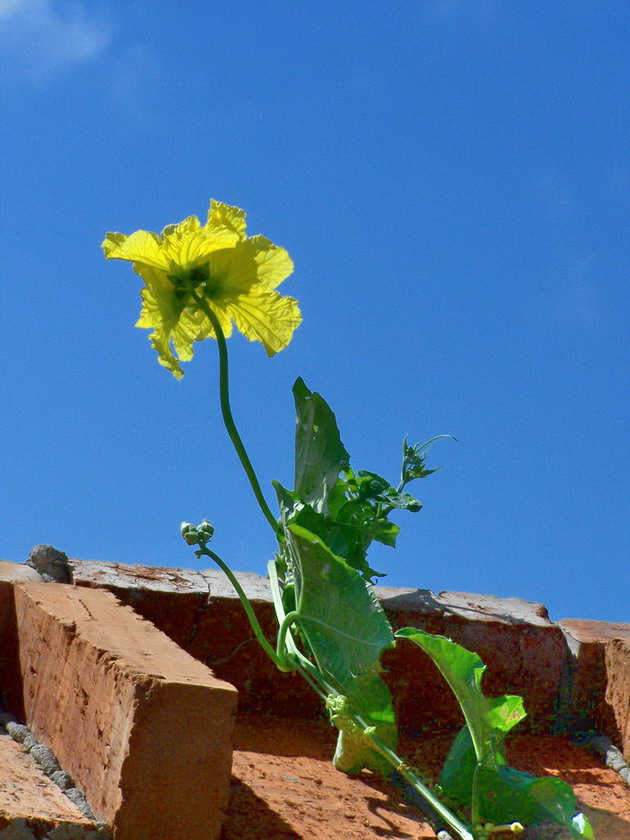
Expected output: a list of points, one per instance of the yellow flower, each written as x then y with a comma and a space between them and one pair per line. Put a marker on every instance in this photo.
190, 266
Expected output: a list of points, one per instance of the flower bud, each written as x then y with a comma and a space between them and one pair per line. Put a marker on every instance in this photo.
205, 530
189, 533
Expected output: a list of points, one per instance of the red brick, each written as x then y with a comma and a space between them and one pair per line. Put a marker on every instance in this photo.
522, 649
144, 729
202, 613
170, 598
591, 674
618, 690
29, 800
10, 678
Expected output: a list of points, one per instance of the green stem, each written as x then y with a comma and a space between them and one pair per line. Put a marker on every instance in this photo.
251, 615
410, 777
226, 411
285, 626
312, 677
475, 805
289, 652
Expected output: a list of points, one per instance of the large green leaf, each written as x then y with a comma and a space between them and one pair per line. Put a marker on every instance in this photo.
339, 614
319, 453
488, 720
477, 760
346, 631
353, 507
460, 765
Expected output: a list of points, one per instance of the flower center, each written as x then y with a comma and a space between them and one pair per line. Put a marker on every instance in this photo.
197, 279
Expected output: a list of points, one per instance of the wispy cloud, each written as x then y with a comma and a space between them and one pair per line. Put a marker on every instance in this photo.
41, 38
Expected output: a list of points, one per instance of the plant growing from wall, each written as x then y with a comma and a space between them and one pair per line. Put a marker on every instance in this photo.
199, 280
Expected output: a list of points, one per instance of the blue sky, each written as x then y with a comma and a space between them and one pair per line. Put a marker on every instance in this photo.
452, 180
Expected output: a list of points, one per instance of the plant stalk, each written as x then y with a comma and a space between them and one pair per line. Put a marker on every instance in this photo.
226, 411
251, 615
409, 776
306, 668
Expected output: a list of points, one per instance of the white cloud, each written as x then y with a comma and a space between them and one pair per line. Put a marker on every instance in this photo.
40, 38
8, 7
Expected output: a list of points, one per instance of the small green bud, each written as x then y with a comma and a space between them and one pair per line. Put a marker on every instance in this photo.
189, 533
205, 530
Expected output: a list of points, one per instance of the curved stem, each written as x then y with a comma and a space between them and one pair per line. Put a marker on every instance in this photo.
251, 615
228, 419
287, 621
313, 677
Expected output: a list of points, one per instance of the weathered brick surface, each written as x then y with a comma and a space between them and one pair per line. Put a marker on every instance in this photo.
31, 806
590, 673
10, 678
202, 613
170, 598
523, 650
617, 659
143, 727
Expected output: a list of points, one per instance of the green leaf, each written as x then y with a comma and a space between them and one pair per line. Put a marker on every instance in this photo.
319, 453
371, 488
413, 465
354, 506
352, 543
342, 539
487, 720
477, 760
581, 827
506, 793
346, 630
339, 614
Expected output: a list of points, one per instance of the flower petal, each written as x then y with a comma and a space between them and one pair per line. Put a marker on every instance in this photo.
173, 323
233, 271
188, 226
188, 244
159, 303
224, 216
267, 317
142, 246
160, 343
256, 262
274, 263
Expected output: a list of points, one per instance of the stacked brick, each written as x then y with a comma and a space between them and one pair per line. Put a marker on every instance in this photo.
110, 695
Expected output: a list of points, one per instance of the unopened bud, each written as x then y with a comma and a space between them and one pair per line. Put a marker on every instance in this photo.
189, 533
205, 530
